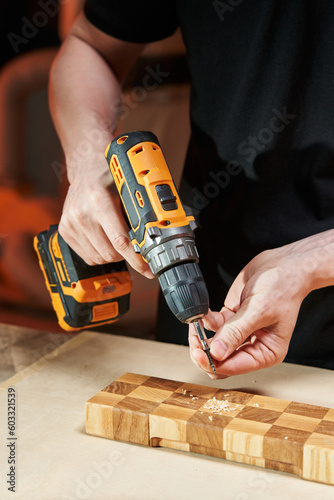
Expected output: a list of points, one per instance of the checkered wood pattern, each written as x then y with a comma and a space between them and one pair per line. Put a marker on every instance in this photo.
266, 432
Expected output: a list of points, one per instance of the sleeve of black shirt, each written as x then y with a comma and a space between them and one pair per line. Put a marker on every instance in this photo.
133, 20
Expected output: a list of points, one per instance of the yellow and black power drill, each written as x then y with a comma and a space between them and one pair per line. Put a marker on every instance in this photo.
161, 230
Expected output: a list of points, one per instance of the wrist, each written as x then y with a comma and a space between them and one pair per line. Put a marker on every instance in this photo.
86, 157
313, 258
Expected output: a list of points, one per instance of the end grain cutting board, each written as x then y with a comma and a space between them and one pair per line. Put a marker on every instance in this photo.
267, 432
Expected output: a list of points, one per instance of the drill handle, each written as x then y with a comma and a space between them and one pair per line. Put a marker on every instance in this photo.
145, 184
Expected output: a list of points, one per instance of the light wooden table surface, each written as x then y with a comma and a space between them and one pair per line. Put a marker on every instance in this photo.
57, 460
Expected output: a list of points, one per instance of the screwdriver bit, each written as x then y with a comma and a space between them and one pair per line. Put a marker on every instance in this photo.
198, 324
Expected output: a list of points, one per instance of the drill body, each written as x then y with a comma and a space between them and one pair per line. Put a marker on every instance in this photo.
161, 228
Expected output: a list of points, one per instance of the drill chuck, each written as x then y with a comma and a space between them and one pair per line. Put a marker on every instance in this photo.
172, 256
185, 291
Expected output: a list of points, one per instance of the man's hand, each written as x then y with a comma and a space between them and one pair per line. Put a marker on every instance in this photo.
254, 328
93, 223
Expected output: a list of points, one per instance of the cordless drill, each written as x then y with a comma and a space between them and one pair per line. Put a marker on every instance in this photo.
161, 231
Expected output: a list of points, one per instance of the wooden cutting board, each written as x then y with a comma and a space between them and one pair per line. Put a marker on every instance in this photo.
257, 430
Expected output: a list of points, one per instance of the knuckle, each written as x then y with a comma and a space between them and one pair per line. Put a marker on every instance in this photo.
95, 196
121, 242
260, 362
269, 358
110, 256
98, 260
89, 261
105, 253
263, 308
77, 215
106, 259
235, 334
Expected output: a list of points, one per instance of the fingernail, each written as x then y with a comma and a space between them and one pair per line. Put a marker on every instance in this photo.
218, 349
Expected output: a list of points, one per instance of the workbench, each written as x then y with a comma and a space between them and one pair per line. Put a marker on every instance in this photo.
56, 459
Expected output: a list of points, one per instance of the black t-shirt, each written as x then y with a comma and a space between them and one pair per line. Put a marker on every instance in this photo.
260, 166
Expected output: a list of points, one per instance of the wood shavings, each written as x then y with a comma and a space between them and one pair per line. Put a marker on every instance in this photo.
210, 417
217, 405
194, 397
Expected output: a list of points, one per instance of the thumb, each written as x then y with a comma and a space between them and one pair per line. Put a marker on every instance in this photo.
236, 330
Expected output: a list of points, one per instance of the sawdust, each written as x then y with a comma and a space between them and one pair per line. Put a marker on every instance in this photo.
217, 405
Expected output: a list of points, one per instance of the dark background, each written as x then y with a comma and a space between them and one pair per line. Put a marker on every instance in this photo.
11, 14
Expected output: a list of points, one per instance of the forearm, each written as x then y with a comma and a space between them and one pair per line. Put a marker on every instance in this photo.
84, 93
314, 260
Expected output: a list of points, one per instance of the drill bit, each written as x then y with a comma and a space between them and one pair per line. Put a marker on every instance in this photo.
198, 324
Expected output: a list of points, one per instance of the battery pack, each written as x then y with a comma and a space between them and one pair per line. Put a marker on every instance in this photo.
82, 296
